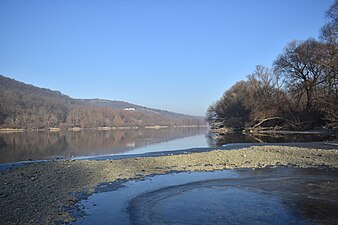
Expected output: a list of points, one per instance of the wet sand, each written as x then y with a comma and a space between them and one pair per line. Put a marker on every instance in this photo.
38, 193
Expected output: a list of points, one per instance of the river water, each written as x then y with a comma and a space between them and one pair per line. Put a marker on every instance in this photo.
27, 146
263, 196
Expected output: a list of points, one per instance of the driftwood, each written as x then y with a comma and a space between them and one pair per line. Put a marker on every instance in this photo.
277, 120
273, 124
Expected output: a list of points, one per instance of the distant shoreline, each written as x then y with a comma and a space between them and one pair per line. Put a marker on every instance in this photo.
37, 193
56, 129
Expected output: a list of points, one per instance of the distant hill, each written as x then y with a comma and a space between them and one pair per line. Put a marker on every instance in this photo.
17, 86
121, 105
27, 106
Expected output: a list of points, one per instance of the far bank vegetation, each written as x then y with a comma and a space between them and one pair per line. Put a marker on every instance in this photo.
24, 106
299, 92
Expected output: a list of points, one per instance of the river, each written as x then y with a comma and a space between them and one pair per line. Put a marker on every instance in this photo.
30, 146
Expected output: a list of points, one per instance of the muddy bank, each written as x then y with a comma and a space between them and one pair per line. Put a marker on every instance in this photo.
38, 193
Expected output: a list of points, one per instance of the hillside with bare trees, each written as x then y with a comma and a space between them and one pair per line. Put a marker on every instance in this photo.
24, 106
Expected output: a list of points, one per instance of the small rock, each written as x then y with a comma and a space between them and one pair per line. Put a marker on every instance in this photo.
3, 196
71, 201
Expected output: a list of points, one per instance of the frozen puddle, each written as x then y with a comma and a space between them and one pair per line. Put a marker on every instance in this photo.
265, 196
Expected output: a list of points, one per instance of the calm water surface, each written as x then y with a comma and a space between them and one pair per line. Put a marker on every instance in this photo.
23, 146
17, 147
264, 196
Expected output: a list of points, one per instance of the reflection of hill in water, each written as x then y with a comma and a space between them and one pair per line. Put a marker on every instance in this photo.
45, 145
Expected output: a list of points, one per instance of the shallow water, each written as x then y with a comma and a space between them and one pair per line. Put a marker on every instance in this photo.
264, 196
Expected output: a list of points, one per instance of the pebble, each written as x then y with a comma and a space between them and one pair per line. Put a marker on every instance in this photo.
3, 196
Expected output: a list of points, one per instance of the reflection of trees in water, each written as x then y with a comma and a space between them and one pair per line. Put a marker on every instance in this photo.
309, 193
312, 199
323, 210
2, 142
282, 138
216, 140
40, 145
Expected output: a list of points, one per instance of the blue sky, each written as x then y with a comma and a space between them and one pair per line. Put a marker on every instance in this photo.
178, 55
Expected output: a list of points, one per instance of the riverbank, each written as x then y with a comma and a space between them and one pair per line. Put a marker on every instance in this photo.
38, 193
58, 129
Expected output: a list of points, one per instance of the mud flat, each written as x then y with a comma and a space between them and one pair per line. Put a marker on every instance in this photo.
38, 193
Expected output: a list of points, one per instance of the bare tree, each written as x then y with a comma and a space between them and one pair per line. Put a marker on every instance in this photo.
299, 65
266, 98
329, 32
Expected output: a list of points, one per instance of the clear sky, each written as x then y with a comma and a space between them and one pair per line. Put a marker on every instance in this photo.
178, 55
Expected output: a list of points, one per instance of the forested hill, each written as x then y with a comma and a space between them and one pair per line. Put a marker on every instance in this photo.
26, 106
